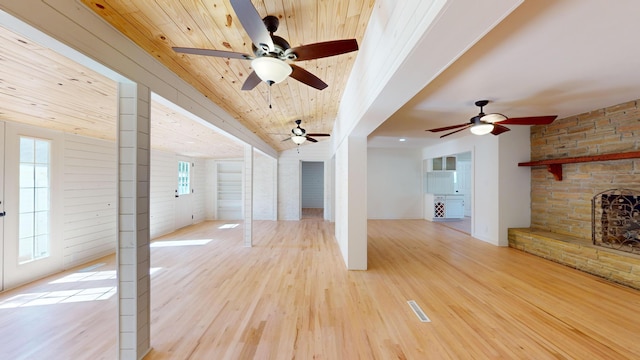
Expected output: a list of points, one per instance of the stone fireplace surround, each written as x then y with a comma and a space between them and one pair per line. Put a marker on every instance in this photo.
561, 220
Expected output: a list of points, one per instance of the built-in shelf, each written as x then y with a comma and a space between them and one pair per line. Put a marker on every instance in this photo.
554, 166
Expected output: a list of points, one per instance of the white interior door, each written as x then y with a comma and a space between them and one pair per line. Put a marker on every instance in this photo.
184, 208
33, 204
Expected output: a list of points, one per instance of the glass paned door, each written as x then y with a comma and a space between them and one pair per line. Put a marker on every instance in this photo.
33, 224
34, 199
2, 209
183, 206
183, 178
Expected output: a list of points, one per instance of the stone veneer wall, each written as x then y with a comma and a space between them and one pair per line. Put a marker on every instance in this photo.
561, 210
564, 207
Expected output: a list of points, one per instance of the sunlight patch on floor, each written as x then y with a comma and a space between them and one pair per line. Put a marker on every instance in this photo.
172, 243
86, 276
58, 297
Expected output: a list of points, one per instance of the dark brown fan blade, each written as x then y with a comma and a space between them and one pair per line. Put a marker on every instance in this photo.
325, 49
316, 134
252, 81
311, 139
532, 120
448, 127
252, 24
499, 129
453, 132
308, 78
216, 53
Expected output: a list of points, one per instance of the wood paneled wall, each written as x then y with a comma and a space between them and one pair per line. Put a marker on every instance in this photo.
90, 199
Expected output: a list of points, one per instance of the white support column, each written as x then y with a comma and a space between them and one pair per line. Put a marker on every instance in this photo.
248, 195
274, 204
351, 201
328, 190
133, 261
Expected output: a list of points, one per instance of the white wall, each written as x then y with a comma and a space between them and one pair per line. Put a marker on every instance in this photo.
515, 181
289, 175
351, 201
486, 194
210, 189
163, 185
379, 85
198, 184
394, 183
265, 190
90, 199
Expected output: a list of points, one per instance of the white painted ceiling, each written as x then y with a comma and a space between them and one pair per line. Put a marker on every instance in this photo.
548, 57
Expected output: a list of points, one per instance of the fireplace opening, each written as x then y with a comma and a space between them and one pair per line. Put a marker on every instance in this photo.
615, 220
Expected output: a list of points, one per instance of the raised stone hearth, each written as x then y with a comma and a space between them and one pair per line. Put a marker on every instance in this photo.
622, 268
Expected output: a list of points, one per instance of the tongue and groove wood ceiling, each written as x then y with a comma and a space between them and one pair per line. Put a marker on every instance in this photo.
157, 26
42, 88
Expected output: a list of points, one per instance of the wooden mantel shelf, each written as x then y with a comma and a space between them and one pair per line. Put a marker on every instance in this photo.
554, 166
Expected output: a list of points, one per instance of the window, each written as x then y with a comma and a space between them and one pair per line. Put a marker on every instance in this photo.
34, 203
183, 178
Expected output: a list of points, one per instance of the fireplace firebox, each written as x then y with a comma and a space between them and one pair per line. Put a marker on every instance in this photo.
615, 220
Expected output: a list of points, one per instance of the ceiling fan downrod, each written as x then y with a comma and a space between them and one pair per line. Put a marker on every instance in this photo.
481, 104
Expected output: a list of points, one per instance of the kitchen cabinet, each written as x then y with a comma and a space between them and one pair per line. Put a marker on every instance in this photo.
443, 206
443, 163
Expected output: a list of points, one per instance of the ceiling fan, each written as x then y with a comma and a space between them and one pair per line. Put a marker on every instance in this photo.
300, 135
271, 51
483, 124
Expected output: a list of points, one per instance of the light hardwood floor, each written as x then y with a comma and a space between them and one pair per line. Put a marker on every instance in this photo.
290, 297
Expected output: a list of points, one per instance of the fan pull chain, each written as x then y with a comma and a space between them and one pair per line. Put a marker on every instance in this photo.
270, 84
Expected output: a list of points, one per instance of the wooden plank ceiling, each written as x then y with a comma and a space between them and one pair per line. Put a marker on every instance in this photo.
157, 26
42, 88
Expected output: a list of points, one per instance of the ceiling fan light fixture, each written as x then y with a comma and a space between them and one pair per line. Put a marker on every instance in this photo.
298, 139
481, 129
492, 118
271, 70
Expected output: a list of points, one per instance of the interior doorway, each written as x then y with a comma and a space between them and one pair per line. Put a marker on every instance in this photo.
448, 189
312, 190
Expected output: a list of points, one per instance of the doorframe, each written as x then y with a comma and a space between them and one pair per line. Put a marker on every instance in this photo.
2, 151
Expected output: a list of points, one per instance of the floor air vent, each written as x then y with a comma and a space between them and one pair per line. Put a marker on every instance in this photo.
419, 313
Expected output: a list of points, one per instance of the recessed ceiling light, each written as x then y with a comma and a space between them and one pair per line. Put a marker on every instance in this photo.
402, 139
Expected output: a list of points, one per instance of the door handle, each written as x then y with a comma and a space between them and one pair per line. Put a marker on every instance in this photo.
3, 214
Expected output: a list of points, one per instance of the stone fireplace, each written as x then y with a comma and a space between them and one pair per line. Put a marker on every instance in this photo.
615, 220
